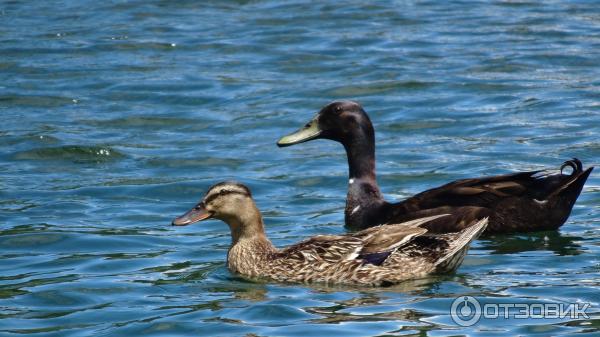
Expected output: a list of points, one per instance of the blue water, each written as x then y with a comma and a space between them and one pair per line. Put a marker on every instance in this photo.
117, 115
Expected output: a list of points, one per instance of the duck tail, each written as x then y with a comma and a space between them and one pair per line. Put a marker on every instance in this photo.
571, 189
574, 163
460, 245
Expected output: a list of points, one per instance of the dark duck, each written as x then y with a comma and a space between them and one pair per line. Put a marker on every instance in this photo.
516, 202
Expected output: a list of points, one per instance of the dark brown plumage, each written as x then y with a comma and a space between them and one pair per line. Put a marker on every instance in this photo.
519, 202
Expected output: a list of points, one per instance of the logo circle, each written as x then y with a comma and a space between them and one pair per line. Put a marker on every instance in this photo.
465, 311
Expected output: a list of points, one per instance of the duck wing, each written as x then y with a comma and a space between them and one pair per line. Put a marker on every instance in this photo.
381, 241
483, 192
329, 248
440, 252
488, 191
382, 244
525, 201
374, 243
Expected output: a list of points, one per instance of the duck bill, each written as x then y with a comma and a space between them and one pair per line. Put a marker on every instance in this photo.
194, 215
309, 132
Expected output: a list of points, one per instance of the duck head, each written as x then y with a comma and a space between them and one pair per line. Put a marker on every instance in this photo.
232, 203
228, 201
341, 121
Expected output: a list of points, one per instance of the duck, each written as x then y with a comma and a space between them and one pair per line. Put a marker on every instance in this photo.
377, 256
514, 202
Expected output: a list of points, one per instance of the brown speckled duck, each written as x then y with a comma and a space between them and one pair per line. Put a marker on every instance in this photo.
517, 202
377, 256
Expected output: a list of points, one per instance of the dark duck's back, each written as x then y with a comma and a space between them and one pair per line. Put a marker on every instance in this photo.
518, 202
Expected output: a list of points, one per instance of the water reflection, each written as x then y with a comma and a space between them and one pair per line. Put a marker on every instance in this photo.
554, 241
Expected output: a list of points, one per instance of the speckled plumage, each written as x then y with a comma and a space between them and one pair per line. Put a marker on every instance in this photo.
381, 255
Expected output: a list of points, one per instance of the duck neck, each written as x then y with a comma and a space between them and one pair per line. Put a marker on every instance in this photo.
247, 225
364, 198
250, 247
360, 151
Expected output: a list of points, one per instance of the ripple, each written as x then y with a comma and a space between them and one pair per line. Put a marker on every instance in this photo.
270, 314
72, 153
118, 115
36, 101
143, 122
378, 88
232, 163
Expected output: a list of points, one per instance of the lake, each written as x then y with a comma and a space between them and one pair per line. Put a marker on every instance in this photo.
118, 115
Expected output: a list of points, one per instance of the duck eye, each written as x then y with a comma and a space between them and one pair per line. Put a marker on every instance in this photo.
338, 109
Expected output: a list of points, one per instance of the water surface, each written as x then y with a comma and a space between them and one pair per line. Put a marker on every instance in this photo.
116, 117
